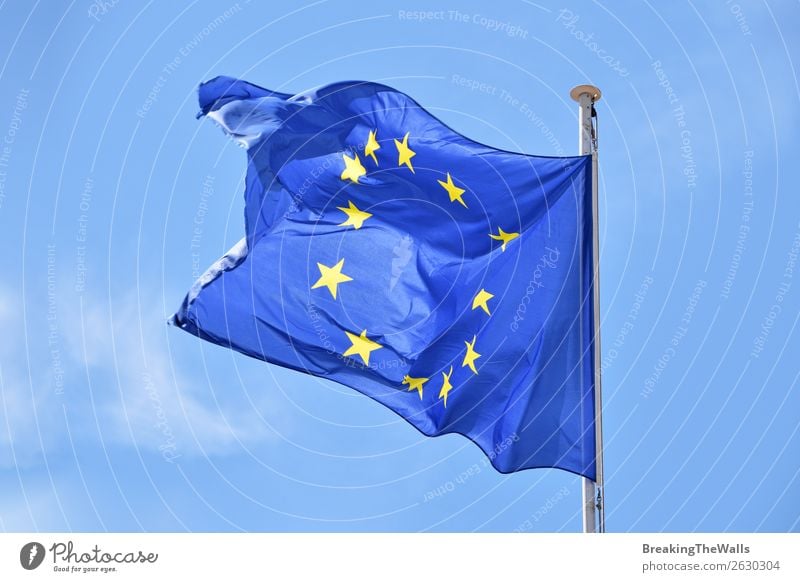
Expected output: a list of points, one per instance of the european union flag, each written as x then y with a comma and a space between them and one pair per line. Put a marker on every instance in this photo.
446, 279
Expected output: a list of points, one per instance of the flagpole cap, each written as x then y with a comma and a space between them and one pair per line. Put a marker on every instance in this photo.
590, 90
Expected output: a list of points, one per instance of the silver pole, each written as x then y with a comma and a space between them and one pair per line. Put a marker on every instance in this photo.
593, 501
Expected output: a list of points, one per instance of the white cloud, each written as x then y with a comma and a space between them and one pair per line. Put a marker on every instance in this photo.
150, 400
27, 406
121, 385
37, 510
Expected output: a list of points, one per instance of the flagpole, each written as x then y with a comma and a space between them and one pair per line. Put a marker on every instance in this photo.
593, 501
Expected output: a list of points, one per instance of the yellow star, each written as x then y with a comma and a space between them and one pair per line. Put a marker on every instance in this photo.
404, 153
471, 356
415, 384
331, 277
446, 385
454, 191
481, 300
353, 169
355, 217
362, 346
506, 237
372, 146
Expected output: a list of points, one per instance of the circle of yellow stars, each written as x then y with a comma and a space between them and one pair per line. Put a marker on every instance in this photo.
332, 276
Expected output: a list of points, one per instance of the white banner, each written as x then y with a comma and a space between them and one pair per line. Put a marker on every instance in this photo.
401, 557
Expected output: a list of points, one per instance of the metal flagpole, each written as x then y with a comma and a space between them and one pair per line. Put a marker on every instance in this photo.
593, 501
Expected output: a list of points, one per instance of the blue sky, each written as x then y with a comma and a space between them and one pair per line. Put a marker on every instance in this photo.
113, 198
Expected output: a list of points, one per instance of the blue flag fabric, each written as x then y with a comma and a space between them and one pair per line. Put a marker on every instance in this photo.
448, 280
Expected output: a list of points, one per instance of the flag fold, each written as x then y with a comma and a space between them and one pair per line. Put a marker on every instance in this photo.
448, 280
